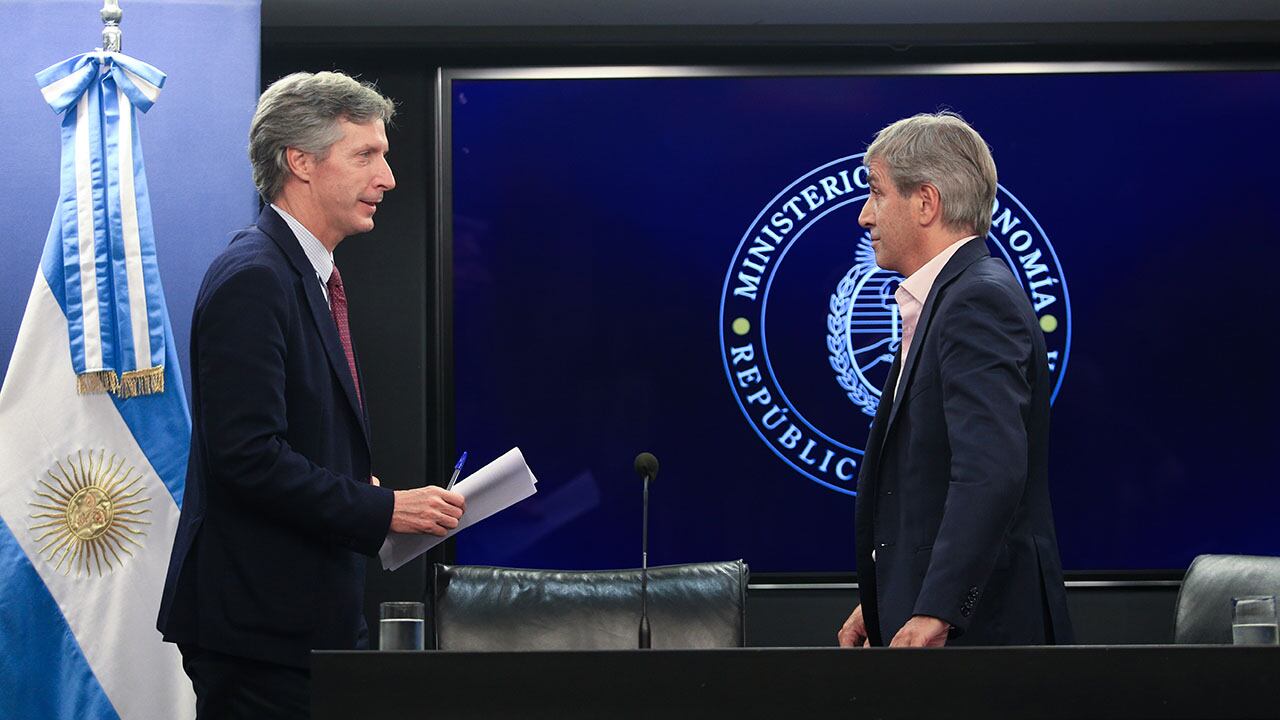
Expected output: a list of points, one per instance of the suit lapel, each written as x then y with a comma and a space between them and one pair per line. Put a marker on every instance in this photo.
968, 254
275, 227
875, 439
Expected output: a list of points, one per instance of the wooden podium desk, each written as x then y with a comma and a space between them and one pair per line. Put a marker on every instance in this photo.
1133, 681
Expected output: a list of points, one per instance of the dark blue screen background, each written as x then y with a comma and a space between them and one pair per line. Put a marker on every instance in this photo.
594, 222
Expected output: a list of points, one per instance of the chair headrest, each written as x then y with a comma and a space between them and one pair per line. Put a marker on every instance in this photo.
493, 608
1204, 602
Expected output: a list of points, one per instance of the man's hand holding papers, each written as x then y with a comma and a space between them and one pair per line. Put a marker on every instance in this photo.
490, 490
431, 510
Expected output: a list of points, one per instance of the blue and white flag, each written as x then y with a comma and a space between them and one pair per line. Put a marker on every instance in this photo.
94, 429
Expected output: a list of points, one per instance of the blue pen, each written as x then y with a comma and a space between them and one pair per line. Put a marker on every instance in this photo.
457, 469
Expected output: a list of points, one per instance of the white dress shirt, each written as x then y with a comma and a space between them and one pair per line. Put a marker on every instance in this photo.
319, 255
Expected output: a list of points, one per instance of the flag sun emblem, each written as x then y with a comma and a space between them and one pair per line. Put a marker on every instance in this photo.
90, 513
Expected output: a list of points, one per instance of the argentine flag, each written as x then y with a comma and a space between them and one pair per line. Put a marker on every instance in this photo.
94, 429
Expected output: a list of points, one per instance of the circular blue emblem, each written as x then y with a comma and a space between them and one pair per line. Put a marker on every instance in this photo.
804, 276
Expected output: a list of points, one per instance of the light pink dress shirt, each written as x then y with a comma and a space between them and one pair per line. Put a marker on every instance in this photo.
912, 294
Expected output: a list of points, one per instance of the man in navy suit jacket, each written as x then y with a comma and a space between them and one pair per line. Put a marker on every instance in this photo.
281, 505
955, 535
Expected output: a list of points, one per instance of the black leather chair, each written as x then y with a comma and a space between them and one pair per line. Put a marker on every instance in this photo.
1204, 602
698, 605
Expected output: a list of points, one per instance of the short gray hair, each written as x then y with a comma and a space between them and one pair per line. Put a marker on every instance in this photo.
302, 111
941, 150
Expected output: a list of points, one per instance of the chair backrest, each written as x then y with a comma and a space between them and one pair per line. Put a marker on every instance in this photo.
1204, 602
698, 605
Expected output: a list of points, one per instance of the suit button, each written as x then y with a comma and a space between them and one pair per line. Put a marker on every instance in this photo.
888, 492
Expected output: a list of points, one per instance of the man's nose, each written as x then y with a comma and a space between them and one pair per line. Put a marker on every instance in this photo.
866, 218
386, 179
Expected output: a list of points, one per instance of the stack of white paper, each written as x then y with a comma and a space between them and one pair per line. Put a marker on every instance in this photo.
489, 490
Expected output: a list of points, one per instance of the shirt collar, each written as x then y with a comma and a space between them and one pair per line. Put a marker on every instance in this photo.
320, 257
921, 281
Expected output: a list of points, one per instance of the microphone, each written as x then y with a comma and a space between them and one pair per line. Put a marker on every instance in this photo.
647, 468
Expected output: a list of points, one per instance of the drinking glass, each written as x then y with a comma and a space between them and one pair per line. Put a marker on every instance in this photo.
1253, 620
401, 626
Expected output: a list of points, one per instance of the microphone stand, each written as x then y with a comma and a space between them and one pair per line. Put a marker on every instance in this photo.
644, 572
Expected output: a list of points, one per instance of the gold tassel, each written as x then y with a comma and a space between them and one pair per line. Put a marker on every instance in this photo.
142, 382
98, 381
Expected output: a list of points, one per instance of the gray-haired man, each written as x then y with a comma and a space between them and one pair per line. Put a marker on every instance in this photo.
955, 536
281, 505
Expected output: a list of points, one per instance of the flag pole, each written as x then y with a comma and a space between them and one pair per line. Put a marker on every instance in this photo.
111, 14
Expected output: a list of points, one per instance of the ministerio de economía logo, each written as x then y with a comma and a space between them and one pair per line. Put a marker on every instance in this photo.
809, 325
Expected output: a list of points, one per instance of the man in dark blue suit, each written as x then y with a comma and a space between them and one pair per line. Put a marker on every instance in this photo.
955, 535
281, 505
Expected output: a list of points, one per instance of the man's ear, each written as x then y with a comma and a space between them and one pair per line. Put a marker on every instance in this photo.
927, 204
300, 163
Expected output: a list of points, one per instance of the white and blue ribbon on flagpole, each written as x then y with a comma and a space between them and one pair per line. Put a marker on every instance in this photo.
115, 307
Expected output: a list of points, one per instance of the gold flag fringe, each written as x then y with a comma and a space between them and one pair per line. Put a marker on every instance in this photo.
99, 381
134, 383
142, 382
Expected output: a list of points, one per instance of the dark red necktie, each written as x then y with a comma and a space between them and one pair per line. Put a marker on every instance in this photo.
338, 306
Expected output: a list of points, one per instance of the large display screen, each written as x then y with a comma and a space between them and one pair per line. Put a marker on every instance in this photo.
674, 265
